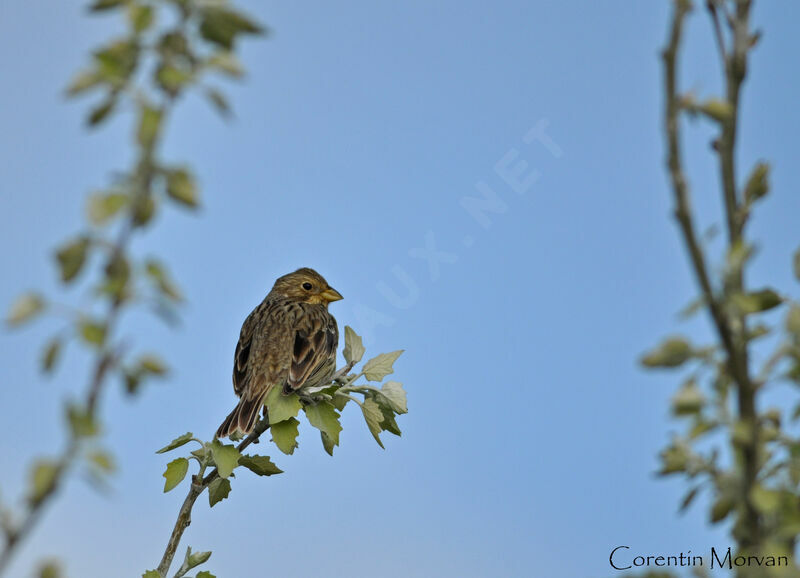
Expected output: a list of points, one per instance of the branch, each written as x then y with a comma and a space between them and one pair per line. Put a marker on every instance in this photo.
732, 336
711, 5
683, 212
343, 371
735, 71
178, 54
199, 484
105, 361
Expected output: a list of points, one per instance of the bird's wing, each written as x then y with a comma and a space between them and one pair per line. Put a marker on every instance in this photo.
241, 356
314, 351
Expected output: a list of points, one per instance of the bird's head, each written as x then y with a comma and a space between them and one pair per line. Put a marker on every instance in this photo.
307, 286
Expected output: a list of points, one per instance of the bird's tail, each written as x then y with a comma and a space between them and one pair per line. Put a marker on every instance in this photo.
243, 418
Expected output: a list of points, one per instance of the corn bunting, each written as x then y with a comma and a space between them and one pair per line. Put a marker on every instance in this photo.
288, 341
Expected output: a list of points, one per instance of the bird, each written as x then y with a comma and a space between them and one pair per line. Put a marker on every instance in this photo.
289, 341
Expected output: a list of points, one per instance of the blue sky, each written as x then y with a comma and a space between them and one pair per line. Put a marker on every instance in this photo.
531, 439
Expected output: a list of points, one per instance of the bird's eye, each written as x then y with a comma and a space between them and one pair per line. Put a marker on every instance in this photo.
307, 286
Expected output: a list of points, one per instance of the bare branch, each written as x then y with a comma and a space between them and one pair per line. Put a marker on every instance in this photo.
711, 6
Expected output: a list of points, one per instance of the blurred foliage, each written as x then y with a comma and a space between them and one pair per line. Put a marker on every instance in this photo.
742, 455
168, 48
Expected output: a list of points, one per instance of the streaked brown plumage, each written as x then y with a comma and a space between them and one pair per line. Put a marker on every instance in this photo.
288, 341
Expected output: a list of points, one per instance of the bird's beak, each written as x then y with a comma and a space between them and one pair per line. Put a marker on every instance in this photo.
330, 294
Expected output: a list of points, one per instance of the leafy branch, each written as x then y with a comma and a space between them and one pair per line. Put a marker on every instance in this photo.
760, 487
148, 69
322, 406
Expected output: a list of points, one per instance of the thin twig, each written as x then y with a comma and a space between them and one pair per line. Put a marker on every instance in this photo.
711, 5
199, 485
343, 371
680, 187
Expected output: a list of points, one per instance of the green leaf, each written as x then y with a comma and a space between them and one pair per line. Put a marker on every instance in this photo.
157, 273
93, 333
143, 208
181, 187
325, 418
393, 391
205, 574
701, 427
100, 5
757, 331
353, 345
221, 26
102, 461
373, 416
176, 443
50, 570
42, 480
739, 254
260, 465
201, 453
152, 364
765, 500
672, 352
282, 407
149, 125
151, 574
71, 258
140, 17
175, 472
339, 401
226, 457
756, 301
25, 308
389, 424
227, 63
50, 355
83, 81
757, 184
80, 422
673, 459
173, 45
218, 490
284, 434
793, 321
379, 367
327, 443
116, 62
219, 101
689, 498
796, 264
102, 207
721, 508
102, 111
118, 273
133, 379
716, 109
196, 558
688, 400
692, 308
172, 79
